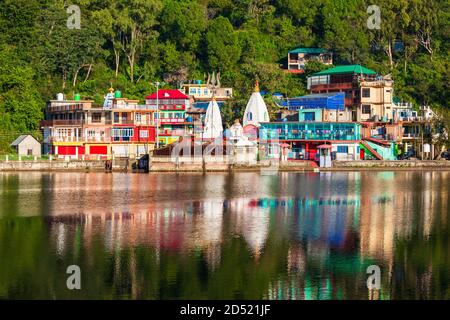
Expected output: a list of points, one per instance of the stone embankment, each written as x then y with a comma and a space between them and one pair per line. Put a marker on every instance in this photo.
166, 165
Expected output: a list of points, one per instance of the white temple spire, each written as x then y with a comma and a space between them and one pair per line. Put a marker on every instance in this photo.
256, 110
213, 121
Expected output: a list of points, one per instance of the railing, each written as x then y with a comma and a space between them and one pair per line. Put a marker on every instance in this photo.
172, 120
49, 123
66, 139
146, 107
128, 121
172, 132
321, 86
312, 136
98, 139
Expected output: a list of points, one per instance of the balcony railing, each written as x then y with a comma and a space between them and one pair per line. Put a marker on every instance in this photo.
50, 123
172, 120
67, 139
335, 86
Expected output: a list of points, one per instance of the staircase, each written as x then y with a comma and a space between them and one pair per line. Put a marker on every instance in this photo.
371, 150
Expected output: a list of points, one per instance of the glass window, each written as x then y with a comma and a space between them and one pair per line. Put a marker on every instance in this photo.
96, 117
138, 117
342, 149
366, 92
366, 108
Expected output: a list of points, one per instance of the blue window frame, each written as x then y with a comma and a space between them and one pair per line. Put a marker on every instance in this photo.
342, 149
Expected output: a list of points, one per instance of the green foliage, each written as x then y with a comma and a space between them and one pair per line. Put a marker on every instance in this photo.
130, 44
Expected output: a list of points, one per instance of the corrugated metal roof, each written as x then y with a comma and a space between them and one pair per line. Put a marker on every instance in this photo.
353, 68
20, 139
168, 94
309, 50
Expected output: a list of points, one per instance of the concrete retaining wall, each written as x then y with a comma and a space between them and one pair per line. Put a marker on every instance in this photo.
433, 164
54, 166
165, 165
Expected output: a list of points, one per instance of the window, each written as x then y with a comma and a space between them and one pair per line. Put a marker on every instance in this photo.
342, 149
120, 134
143, 134
366, 108
310, 116
91, 133
366, 92
96, 117
138, 117
249, 116
116, 117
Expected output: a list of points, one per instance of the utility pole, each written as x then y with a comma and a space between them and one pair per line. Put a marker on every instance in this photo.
157, 113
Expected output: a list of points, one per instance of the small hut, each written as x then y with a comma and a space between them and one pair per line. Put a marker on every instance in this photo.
27, 145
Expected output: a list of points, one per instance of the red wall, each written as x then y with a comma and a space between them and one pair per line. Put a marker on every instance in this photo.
151, 134
98, 150
70, 150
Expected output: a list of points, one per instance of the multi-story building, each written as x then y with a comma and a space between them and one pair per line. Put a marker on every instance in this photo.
305, 138
326, 107
298, 58
203, 92
368, 96
79, 128
172, 106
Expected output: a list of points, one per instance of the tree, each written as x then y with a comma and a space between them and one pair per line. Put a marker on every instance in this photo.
223, 49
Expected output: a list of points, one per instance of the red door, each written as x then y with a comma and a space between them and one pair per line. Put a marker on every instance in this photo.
361, 153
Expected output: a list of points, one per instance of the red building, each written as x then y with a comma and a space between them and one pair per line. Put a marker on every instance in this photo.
172, 106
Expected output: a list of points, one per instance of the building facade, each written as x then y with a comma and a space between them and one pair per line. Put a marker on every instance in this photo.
171, 105
298, 58
79, 128
368, 96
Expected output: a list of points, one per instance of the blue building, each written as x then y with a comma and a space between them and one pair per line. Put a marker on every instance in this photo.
327, 107
304, 138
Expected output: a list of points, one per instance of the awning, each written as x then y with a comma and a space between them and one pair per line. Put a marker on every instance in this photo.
324, 146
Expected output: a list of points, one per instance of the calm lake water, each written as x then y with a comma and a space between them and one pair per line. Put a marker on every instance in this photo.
225, 236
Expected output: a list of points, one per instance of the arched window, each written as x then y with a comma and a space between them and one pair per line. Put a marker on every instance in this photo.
249, 116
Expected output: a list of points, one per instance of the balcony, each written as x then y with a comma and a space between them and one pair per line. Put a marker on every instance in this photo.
331, 86
124, 122
98, 139
67, 139
171, 132
51, 123
146, 107
172, 120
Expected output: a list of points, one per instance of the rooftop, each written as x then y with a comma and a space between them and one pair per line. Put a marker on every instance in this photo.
353, 68
168, 94
309, 50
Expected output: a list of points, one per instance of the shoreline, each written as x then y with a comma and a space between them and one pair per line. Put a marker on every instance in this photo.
182, 167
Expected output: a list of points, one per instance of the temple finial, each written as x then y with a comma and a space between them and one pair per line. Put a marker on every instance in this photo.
256, 86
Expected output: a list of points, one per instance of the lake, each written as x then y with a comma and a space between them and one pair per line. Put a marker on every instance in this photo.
225, 236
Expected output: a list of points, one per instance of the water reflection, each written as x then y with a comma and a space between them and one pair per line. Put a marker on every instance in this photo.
289, 236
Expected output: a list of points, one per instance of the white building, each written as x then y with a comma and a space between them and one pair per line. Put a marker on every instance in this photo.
213, 121
256, 110
27, 145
